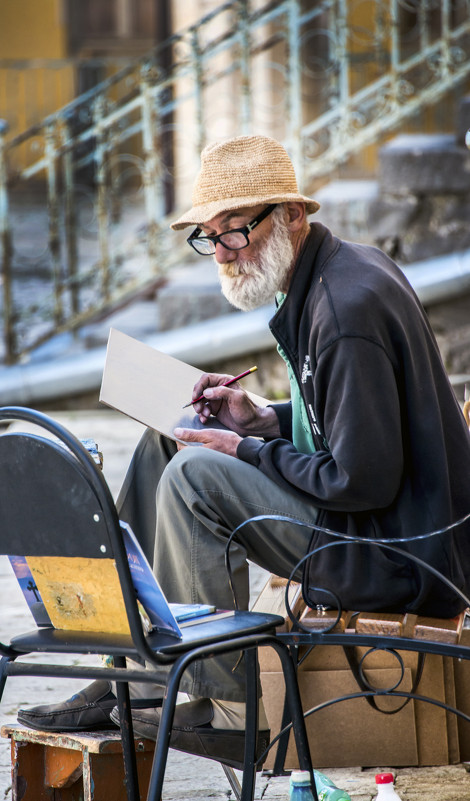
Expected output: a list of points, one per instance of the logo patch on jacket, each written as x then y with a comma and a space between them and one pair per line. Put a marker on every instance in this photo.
306, 371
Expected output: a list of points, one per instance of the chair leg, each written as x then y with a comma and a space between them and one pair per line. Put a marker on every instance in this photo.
166, 723
295, 707
251, 724
127, 735
4, 662
283, 744
164, 730
169, 703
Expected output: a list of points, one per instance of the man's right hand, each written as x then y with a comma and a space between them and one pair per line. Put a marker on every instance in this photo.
233, 407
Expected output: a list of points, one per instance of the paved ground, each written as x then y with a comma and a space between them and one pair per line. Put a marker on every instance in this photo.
188, 778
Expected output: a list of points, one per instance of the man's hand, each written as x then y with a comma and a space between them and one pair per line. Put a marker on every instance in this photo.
214, 438
233, 407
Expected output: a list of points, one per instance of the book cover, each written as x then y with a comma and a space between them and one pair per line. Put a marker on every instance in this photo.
162, 615
30, 591
147, 588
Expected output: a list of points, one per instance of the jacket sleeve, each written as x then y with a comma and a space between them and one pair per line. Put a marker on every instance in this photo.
357, 405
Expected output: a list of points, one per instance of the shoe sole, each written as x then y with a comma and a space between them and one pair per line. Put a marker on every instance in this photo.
111, 726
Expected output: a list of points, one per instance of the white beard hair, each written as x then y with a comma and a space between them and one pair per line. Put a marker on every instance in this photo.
255, 283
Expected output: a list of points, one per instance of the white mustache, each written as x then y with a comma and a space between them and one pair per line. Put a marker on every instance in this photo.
231, 269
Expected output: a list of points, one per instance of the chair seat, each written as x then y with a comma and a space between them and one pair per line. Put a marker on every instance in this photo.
240, 624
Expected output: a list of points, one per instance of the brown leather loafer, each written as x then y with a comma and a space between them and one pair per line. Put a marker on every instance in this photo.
192, 732
88, 710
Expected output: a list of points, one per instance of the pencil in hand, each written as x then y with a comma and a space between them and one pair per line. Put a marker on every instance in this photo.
227, 384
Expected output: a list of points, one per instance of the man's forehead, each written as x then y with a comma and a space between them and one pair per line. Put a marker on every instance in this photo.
246, 212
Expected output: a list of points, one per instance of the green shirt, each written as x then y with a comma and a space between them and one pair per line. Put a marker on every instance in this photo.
301, 431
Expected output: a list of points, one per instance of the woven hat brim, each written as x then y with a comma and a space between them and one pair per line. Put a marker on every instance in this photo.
207, 211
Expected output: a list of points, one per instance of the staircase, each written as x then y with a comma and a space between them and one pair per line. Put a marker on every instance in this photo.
108, 171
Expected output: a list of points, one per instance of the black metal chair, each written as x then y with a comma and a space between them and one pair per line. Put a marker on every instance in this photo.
54, 501
331, 623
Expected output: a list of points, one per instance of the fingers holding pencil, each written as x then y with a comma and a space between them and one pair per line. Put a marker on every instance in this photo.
226, 382
223, 397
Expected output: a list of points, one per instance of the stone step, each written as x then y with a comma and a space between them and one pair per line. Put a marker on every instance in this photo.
424, 165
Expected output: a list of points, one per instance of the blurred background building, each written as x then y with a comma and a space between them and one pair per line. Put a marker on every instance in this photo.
106, 104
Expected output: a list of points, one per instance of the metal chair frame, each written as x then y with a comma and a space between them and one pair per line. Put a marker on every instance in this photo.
38, 516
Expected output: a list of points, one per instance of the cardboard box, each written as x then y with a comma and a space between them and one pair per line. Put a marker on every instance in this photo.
351, 733
462, 697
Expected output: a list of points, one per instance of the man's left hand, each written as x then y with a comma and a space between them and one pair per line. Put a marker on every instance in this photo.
214, 438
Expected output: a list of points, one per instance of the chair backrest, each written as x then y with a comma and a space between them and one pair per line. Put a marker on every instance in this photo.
56, 509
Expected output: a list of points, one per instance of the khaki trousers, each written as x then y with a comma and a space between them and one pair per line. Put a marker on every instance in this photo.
182, 506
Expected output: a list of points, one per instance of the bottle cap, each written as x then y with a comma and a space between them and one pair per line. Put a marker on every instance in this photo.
300, 777
384, 778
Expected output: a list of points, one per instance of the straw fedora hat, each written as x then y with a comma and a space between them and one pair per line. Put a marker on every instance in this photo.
244, 171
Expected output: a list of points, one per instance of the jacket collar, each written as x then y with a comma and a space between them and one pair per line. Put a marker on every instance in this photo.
318, 247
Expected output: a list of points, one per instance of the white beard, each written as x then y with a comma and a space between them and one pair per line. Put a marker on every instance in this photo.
248, 285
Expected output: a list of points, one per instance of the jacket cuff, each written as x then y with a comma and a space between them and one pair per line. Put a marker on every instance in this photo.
248, 450
284, 415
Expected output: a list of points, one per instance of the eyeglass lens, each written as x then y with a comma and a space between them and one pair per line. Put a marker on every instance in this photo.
232, 240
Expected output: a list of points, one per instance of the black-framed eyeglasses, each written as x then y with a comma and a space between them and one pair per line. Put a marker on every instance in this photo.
236, 239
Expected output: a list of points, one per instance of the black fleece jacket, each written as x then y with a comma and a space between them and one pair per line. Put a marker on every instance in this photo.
392, 452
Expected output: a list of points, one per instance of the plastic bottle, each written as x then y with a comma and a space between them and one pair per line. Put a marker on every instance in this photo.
385, 788
301, 788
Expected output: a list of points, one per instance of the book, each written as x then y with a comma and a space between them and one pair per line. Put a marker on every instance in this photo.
162, 616
148, 590
189, 611
30, 591
150, 386
219, 614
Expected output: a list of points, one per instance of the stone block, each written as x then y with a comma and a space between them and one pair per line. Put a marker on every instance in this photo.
424, 164
463, 120
439, 226
345, 208
180, 305
355, 210
192, 294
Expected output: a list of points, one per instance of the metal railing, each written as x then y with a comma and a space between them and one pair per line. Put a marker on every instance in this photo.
108, 170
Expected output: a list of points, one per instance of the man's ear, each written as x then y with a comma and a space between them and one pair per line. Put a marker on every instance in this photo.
296, 216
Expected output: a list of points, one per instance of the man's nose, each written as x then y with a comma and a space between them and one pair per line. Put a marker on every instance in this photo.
222, 255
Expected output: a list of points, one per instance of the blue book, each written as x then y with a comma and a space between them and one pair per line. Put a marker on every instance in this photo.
162, 615
148, 591
190, 611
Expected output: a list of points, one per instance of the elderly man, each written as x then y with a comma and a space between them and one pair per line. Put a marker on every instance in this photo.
372, 441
